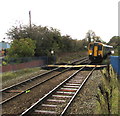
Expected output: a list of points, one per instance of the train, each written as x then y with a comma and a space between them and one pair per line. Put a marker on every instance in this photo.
98, 51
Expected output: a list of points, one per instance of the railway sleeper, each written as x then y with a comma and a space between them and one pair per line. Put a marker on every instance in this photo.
45, 111
65, 92
62, 96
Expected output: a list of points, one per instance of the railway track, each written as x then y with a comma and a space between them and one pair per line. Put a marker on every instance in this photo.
16, 90
25, 87
33, 78
20, 88
58, 100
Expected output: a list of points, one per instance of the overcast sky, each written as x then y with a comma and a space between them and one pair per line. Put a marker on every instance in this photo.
71, 17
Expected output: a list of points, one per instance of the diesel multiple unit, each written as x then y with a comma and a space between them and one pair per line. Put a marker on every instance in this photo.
98, 51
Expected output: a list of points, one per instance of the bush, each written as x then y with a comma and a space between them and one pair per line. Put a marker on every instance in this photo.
4, 63
108, 93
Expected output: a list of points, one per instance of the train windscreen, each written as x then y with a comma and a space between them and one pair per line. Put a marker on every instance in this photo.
91, 47
99, 47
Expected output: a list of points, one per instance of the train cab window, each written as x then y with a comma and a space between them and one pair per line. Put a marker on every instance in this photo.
91, 47
99, 47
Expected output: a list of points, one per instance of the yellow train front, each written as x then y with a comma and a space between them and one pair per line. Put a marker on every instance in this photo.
98, 51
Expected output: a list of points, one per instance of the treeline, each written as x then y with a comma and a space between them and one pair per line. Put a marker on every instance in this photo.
115, 42
45, 41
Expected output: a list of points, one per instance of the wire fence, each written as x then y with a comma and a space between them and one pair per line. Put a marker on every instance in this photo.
46, 59
25, 59
14, 64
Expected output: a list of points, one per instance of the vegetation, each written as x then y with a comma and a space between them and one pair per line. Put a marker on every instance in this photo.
13, 75
115, 42
8, 76
68, 57
22, 48
108, 93
44, 41
47, 39
19, 49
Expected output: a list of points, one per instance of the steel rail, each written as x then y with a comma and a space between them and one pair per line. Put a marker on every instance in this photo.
3, 102
10, 98
35, 77
29, 110
25, 81
65, 109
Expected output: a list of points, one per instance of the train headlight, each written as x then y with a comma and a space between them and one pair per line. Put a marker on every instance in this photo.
112, 52
90, 53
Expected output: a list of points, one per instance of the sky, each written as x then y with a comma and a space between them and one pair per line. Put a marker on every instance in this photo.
71, 17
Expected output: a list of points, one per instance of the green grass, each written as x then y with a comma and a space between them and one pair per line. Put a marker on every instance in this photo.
66, 57
108, 93
117, 51
12, 75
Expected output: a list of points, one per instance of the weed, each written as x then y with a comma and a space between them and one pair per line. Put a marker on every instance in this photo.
12, 75
107, 96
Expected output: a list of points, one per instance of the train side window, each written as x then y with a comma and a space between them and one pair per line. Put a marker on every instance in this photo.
99, 47
91, 47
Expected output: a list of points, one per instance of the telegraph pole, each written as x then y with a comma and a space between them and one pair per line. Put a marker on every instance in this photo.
30, 19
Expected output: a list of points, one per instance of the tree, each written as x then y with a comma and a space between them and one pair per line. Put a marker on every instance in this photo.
90, 35
114, 41
47, 39
22, 48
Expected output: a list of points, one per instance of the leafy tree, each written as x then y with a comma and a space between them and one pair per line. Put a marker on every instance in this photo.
68, 44
115, 41
22, 48
47, 39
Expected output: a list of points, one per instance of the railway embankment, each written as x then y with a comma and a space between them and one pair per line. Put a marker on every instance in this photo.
108, 100
100, 95
85, 102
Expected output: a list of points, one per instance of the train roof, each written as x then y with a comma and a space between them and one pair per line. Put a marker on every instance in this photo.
102, 44
107, 46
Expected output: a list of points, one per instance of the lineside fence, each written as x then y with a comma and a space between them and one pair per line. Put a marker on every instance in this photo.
29, 62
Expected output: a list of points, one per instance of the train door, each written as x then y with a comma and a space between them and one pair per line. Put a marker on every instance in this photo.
95, 51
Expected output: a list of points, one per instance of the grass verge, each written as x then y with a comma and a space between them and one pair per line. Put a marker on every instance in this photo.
108, 93
67, 57
10, 75
9, 78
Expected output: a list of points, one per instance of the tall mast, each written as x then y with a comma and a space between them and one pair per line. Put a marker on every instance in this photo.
30, 19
